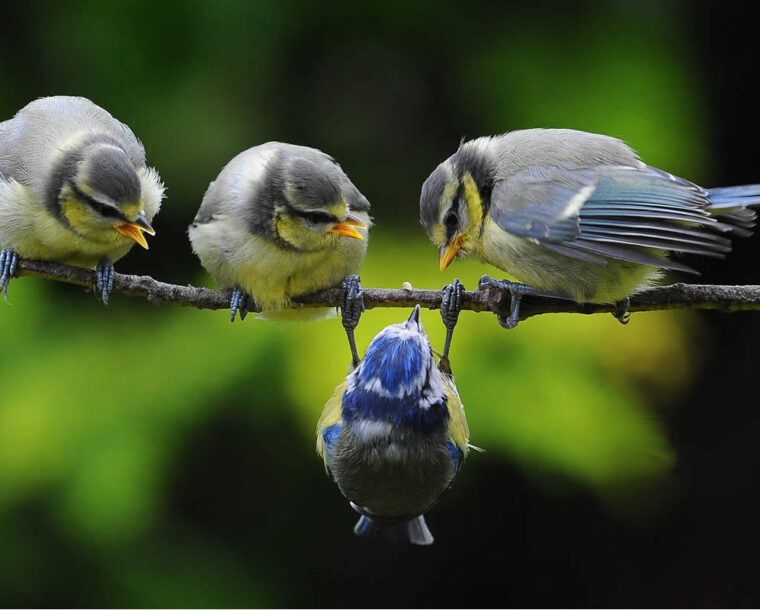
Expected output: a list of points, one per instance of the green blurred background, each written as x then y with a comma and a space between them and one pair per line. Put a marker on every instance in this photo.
160, 456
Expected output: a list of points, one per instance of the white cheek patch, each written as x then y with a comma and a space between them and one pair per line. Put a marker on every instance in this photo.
434, 392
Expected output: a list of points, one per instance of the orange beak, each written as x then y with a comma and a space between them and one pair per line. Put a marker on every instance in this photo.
346, 228
133, 230
449, 252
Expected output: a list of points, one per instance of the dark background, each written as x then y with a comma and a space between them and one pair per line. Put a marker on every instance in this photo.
153, 456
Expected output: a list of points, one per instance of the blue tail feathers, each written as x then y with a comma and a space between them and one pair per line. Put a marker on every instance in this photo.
406, 531
734, 196
730, 203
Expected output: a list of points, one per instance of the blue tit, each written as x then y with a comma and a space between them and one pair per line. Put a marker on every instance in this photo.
574, 215
281, 221
74, 188
394, 434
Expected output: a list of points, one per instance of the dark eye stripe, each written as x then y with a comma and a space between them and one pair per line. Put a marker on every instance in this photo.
100, 208
318, 217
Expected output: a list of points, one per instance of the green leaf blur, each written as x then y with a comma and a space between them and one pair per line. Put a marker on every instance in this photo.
102, 409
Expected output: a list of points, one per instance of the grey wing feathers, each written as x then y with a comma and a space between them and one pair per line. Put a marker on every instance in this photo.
542, 203
628, 213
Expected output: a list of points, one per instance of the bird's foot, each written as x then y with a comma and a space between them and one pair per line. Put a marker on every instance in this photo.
239, 302
517, 292
8, 264
104, 279
623, 314
351, 308
452, 298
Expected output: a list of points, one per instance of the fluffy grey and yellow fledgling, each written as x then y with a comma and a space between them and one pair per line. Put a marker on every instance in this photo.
74, 188
281, 221
574, 215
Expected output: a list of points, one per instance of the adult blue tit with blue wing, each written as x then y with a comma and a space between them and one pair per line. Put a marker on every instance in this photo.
394, 434
574, 215
281, 221
74, 188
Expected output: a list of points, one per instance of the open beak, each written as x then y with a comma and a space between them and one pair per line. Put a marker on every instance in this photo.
134, 230
347, 227
449, 252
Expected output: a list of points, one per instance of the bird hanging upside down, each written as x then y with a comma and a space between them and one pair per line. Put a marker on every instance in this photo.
394, 434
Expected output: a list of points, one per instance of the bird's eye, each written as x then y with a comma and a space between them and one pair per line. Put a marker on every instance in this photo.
451, 220
102, 208
318, 217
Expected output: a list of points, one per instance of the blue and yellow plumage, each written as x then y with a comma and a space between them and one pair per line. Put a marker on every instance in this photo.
394, 434
575, 215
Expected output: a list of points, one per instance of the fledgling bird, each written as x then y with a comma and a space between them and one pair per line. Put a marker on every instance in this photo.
281, 221
394, 434
74, 188
574, 215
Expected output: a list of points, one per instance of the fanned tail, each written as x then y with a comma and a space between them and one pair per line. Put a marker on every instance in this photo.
406, 531
731, 204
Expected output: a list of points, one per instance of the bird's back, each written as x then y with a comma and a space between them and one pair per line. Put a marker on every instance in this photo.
235, 189
520, 150
44, 127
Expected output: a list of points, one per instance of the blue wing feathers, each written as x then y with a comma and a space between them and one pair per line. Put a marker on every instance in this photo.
647, 212
568, 249
330, 435
730, 203
457, 455
644, 240
629, 215
648, 209
680, 229
625, 253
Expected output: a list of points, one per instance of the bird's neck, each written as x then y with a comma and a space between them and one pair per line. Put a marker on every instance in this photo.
378, 415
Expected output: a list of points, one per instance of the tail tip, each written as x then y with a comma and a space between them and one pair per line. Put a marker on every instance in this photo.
408, 531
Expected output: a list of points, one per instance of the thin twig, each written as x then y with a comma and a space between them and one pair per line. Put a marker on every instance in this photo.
677, 296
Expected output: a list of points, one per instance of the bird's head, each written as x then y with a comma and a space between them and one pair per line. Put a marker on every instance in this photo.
100, 194
315, 213
454, 202
397, 383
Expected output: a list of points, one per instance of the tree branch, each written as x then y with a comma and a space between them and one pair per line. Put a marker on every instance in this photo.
677, 296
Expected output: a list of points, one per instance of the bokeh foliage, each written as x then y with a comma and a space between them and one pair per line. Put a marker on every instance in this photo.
134, 438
